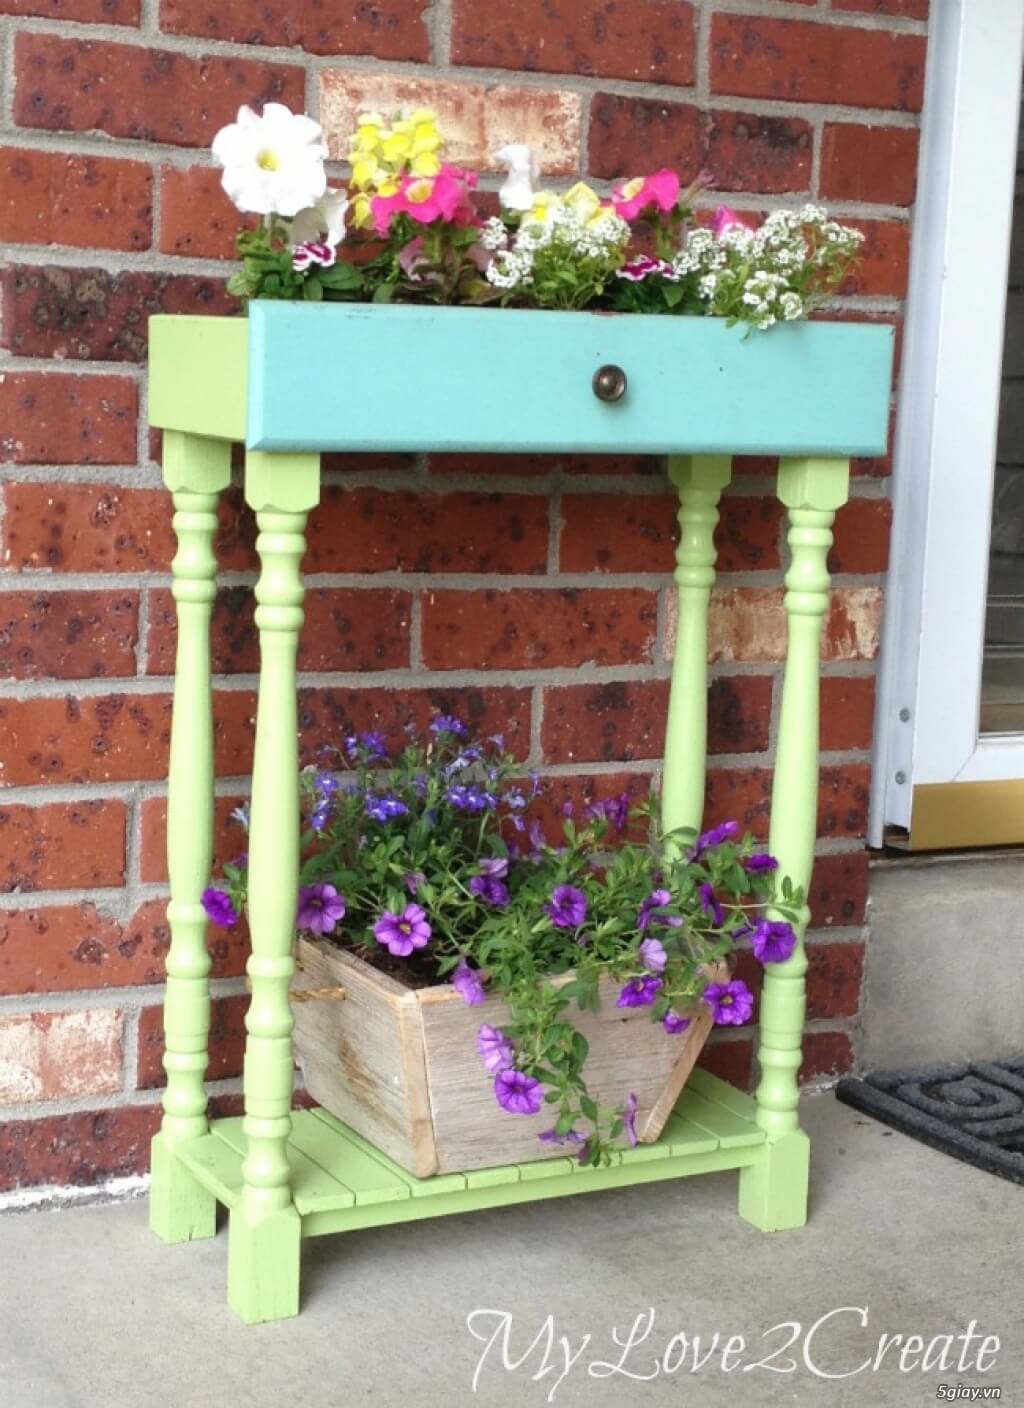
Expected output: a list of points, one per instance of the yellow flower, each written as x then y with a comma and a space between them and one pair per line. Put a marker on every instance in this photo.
544, 202
359, 211
367, 172
425, 164
585, 202
396, 147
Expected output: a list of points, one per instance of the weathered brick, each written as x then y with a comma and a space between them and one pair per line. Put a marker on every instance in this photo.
153, 95
835, 973
345, 629
64, 846
730, 1058
226, 1042
747, 536
744, 795
87, 527
81, 11
93, 315
78, 1149
847, 711
327, 715
385, 29
67, 635
908, 9
116, 738
59, 1055
519, 630
477, 119
650, 41
229, 837
557, 793
862, 162
89, 202
371, 530
803, 61
826, 1054
630, 135
637, 533
749, 624
883, 263
751, 152
196, 217
862, 536
147, 937
839, 889
55, 417
843, 796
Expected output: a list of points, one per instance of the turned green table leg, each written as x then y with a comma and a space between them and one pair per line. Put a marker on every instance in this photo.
700, 480
264, 1237
773, 1192
195, 470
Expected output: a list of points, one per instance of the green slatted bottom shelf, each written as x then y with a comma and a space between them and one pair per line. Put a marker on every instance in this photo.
340, 1182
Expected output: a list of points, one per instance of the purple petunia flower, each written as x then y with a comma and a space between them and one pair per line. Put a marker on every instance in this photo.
497, 866
773, 941
412, 880
489, 890
466, 982
725, 831
448, 723
615, 810
219, 909
402, 933
760, 861
649, 914
385, 807
710, 905
653, 955
496, 1051
674, 1024
550, 1136
640, 992
731, 1004
518, 1093
567, 907
629, 1109
320, 908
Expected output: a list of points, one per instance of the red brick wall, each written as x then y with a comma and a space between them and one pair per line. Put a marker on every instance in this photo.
521, 590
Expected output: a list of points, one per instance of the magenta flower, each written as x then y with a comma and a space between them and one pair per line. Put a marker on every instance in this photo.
760, 861
640, 992
219, 909
320, 909
629, 1110
731, 1004
710, 905
724, 219
645, 193
402, 933
518, 1093
312, 252
467, 983
567, 907
653, 955
674, 1024
496, 1051
773, 941
643, 267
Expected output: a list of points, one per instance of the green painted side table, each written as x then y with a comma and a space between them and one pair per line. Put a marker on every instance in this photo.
291, 381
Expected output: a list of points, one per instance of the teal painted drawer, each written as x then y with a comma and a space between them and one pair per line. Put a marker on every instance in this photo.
356, 377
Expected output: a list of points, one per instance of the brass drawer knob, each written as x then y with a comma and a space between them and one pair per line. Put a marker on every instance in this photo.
610, 383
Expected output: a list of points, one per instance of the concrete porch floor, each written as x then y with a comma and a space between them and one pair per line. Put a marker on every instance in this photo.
94, 1313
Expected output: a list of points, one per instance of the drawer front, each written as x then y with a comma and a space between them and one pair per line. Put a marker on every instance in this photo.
361, 377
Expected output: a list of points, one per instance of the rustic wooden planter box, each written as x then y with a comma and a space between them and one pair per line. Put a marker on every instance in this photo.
400, 1066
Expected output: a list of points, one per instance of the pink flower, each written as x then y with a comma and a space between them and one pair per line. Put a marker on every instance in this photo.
635, 198
426, 199
312, 252
643, 267
724, 219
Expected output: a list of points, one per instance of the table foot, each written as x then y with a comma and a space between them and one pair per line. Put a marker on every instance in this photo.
773, 1191
180, 1208
263, 1263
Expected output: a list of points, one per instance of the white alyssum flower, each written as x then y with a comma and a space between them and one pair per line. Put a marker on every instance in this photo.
494, 235
323, 222
273, 163
518, 189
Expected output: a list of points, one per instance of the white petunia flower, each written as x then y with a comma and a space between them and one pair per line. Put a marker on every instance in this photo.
273, 163
518, 191
323, 222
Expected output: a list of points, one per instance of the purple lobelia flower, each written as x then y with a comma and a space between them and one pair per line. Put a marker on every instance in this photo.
760, 861
629, 1109
385, 808
371, 743
518, 1093
653, 955
326, 784
496, 1051
448, 723
710, 905
402, 933
674, 1024
466, 982
489, 890
567, 907
241, 815
773, 941
473, 800
219, 909
640, 992
731, 1004
551, 1136
320, 908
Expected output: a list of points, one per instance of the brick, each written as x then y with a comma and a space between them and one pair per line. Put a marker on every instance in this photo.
806, 62
749, 624
327, 715
93, 315
863, 162
226, 1046
59, 1055
580, 791
620, 721
883, 264
628, 135
67, 846
519, 630
908, 9
228, 838
744, 795
152, 95
847, 711
751, 152
371, 530
87, 527
345, 629
834, 976
146, 938
53, 417
637, 533
747, 536
730, 1059
862, 530
67, 635
79, 1149
84, 201
114, 738
839, 889
844, 794
196, 218
476, 118
81, 11
649, 41
826, 1055
385, 29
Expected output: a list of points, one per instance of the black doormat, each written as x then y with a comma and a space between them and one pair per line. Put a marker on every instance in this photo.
973, 1110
